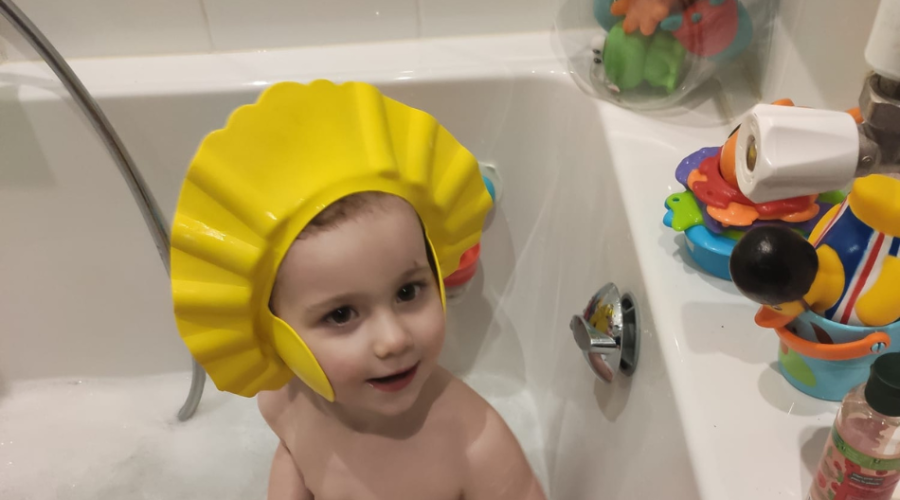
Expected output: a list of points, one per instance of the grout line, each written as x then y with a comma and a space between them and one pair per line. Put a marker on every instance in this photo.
206, 25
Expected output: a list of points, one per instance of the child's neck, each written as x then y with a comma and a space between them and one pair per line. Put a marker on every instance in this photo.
398, 426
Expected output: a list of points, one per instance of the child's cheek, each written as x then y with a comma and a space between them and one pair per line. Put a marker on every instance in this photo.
432, 330
437, 336
344, 365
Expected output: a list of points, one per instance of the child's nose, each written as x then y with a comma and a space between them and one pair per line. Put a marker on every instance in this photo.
391, 338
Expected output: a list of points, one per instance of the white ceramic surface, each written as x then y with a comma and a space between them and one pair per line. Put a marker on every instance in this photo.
816, 53
881, 51
243, 25
467, 17
83, 294
90, 28
103, 28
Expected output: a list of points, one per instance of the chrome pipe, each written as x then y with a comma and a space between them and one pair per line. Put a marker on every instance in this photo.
198, 379
143, 197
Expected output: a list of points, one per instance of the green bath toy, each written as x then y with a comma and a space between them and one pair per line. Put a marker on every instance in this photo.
629, 59
685, 211
794, 365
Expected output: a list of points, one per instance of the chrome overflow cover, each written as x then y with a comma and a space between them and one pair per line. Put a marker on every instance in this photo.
607, 333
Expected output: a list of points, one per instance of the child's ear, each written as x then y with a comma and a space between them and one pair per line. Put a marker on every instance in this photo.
272, 302
273, 295
429, 254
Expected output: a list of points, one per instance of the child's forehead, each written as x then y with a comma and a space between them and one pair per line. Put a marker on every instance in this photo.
355, 233
356, 222
355, 206
393, 223
359, 253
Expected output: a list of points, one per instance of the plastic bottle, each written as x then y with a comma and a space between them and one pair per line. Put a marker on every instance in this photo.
861, 460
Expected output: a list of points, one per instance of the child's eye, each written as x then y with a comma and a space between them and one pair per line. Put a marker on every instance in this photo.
409, 292
340, 316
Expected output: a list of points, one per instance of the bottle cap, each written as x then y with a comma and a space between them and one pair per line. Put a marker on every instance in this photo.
883, 387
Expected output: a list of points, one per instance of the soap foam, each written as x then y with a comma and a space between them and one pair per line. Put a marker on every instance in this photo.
118, 439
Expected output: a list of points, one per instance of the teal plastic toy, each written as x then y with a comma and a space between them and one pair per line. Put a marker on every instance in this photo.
709, 250
800, 354
603, 15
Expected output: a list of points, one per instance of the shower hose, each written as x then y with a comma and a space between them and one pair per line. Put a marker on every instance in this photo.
142, 195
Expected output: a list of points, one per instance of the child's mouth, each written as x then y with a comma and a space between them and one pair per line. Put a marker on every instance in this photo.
395, 382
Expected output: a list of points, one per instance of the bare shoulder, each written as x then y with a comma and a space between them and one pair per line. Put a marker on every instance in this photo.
277, 406
457, 394
473, 411
496, 465
459, 406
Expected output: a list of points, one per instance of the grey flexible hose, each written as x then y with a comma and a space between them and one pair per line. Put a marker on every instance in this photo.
142, 195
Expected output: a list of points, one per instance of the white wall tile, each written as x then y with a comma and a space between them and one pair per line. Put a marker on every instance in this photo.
12, 46
814, 55
467, 17
98, 28
817, 49
256, 24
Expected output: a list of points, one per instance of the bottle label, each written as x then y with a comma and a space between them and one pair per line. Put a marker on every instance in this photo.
846, 473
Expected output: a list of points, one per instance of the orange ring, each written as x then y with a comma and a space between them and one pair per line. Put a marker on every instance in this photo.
833, 352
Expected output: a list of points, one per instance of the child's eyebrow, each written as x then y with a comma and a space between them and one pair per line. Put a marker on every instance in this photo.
416, 269
331, 303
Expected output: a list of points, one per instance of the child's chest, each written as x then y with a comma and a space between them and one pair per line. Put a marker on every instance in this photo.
340, 465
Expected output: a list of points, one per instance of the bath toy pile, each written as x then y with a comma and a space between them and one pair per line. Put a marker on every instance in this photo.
714, 214
833, 299
829, 291
656, 42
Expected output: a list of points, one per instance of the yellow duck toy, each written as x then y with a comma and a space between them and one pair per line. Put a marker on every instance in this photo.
848, 271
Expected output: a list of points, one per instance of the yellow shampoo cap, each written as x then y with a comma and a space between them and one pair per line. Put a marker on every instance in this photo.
254, 185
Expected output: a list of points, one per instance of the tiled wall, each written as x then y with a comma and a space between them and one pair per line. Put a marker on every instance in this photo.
814, 54
99, 28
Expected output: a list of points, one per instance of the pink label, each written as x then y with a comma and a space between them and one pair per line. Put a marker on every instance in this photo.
848, 474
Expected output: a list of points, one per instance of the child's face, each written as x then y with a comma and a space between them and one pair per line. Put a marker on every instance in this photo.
364, 299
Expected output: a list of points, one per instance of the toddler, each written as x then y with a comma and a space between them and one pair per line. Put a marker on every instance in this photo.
359, 286
308, 245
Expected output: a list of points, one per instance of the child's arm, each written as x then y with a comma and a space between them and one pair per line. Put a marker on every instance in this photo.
498, 469
285, 481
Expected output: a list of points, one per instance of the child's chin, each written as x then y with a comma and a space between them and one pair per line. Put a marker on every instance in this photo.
393, 410
391, 405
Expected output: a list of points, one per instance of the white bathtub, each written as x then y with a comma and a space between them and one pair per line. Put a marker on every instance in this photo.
92, 370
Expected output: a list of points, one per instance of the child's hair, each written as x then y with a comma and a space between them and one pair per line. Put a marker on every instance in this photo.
344, 209
352, 206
